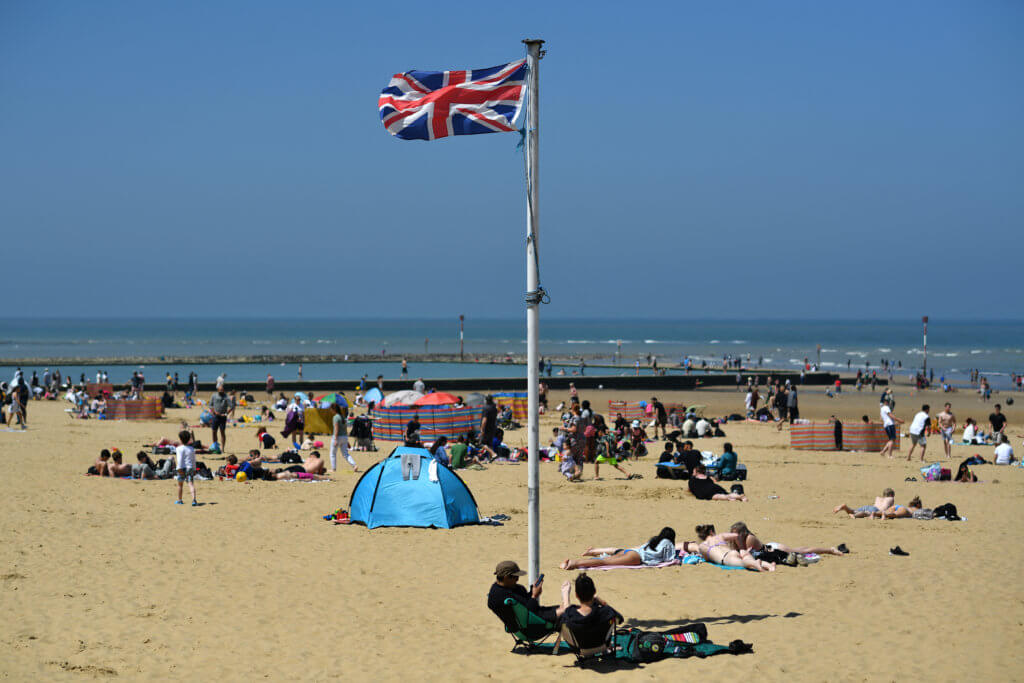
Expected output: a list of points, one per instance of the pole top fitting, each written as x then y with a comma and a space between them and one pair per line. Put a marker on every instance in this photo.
533, 41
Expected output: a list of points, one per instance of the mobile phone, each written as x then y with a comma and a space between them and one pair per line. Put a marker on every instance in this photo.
539, 580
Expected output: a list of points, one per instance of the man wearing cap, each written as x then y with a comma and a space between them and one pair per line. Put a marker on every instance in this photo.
506, 585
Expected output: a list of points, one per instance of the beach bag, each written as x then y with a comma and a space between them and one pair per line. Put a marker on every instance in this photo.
291, 458
932, 472
653, 646
924, 513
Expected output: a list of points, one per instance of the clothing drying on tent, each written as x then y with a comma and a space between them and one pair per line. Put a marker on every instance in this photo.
373, 396
410, 488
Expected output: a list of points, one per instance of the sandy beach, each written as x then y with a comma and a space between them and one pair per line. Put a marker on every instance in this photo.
105, 578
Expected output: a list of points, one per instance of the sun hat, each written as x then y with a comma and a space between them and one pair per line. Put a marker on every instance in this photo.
508, 568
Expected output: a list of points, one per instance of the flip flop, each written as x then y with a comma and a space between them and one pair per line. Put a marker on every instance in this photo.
898, 551
178, 502
843, 549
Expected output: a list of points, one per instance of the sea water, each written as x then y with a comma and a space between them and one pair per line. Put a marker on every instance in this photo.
996, 348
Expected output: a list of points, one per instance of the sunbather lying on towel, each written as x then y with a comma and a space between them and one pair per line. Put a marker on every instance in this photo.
903, 511
724, 549
704, 487
313, 469
882, 503
746, 540
661, 548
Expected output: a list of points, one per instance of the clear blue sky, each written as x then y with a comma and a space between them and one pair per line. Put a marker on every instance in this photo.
782, 159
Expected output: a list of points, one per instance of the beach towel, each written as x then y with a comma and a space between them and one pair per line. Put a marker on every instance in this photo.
670, 563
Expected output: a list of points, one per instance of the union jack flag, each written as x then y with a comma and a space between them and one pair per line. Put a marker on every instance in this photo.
426, 105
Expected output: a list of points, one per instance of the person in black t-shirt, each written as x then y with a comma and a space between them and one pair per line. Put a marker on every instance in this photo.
591, 620
689, 457
506, 585
660, 417
488, 425
997, 420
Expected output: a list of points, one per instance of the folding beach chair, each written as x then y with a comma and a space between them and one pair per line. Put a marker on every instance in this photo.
597, 645
530, 629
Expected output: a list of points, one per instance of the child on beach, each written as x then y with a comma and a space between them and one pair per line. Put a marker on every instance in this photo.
265, 439
569, 467
185, 455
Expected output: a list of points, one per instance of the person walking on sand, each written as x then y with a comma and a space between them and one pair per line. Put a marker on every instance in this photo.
339, 437
947, 423
919, 429
889, 422
185, 455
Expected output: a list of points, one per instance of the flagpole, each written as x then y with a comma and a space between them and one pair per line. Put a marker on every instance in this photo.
533, 299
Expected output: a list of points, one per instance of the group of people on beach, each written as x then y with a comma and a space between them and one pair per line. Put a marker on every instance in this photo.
739, 547
921, 426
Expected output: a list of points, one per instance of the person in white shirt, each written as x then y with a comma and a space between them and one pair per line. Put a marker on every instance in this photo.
702, 427
919, 428
889, 422
971, 432
185, 455
1004, 452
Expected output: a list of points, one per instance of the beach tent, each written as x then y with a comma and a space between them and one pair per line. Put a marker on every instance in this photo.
438, 398
373, 396
400, 491
405, 397
336, 397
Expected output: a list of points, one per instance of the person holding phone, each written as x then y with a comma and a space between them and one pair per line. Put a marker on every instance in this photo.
506, 585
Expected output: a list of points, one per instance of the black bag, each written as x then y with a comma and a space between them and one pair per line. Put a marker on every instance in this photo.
948, 511
652, 646
290, 458
736, 488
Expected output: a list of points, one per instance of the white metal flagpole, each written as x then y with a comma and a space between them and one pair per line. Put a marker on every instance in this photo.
534, 295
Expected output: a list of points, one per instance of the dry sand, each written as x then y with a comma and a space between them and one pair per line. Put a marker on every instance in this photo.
106, 578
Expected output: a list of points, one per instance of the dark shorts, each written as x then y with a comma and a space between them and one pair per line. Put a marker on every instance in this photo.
219, 422
890, 432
